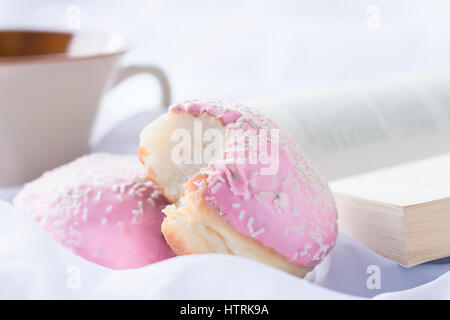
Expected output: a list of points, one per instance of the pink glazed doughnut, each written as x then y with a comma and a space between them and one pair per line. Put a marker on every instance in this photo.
277, 209
102, 208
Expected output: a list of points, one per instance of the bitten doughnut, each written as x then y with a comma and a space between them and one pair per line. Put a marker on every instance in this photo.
102, 208
280, 212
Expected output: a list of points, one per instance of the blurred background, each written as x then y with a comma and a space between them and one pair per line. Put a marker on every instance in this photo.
243, 49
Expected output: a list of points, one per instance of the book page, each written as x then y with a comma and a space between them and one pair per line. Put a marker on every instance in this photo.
403, 185
361, 128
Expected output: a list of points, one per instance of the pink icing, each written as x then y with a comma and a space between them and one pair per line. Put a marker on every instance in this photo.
291, 211
102, 208
195, 107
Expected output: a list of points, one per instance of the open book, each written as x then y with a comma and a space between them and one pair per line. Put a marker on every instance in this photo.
358, 129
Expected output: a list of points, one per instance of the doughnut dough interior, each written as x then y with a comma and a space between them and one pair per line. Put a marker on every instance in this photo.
158, 142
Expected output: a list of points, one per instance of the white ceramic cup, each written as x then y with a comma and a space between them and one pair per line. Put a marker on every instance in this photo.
51, 85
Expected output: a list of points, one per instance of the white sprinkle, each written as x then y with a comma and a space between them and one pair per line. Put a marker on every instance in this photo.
58, 224
257, 233
216, 187
98, 196
295, 256
76, 209
286, 232
135, 218
77, 237
236, 205
305, 251
137, 213
301, 230
215, 179
241, 215
122, 188
85, 214
323, 249
249, 224
155, 193
104, 221
119, 197
109, 208
151, 201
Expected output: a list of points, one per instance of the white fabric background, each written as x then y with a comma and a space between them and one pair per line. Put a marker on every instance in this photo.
229, 50
33, 266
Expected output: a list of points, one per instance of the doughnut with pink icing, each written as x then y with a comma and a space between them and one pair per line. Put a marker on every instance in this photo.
258, 196
102, 208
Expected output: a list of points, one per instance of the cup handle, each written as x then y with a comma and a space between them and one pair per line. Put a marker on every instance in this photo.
129, 71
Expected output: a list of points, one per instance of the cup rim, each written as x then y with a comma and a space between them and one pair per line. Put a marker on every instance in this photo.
64, 57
